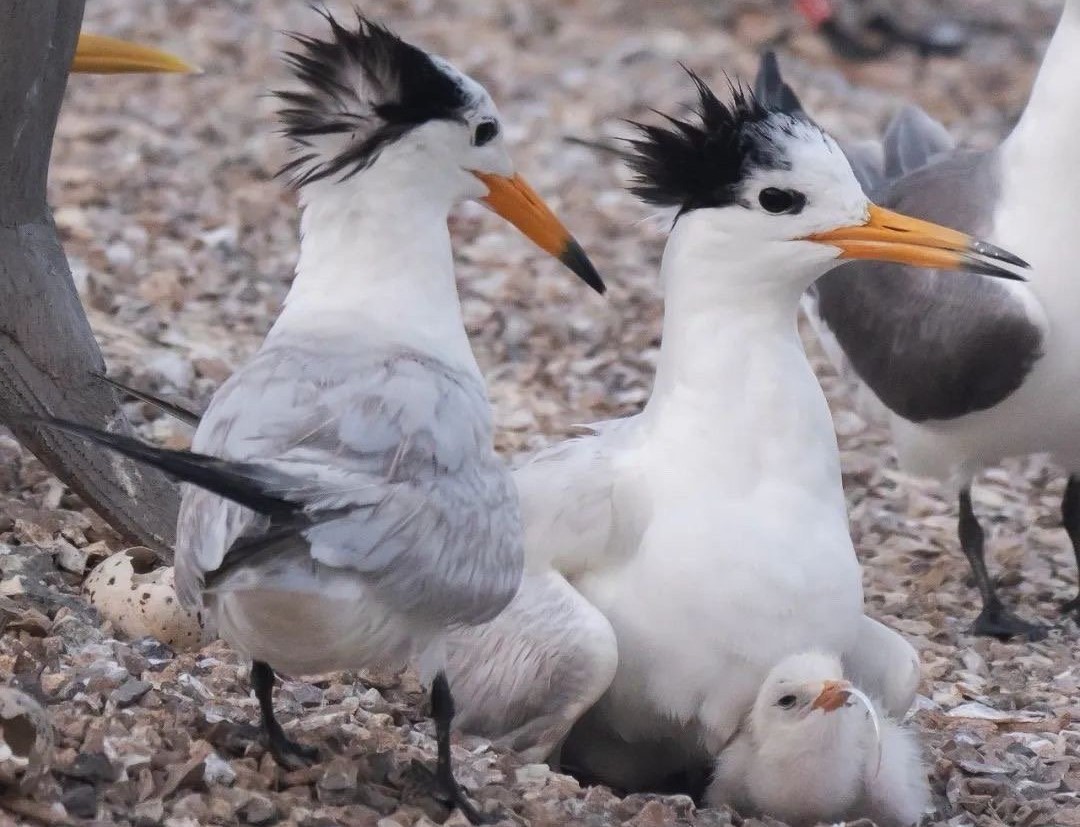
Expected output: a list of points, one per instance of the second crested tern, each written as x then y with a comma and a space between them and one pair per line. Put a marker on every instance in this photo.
710, 530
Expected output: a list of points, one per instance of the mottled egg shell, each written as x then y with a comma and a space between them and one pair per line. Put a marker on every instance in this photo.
139, 597
26, 741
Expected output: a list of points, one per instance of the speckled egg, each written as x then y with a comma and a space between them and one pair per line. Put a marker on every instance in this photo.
138, 596
26, 741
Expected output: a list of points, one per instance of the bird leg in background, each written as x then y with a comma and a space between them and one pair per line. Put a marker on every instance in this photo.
994, 620
1070, 518
47, 349
446, 786
287, 753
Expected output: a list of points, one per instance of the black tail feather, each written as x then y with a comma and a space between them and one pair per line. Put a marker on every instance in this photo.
247, 484
185, 415
771, 90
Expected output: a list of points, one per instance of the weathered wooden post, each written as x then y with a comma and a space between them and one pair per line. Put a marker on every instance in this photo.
47, 350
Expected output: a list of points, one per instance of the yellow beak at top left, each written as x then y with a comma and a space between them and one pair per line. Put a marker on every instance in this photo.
102, 55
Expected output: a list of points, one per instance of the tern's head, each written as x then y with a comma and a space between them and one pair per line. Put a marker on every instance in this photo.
370, 101
757, 185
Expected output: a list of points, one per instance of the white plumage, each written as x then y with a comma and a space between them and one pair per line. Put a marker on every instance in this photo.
710, 529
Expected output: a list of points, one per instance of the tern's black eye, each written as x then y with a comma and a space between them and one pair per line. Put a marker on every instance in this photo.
485, 133
786, 702
778, 201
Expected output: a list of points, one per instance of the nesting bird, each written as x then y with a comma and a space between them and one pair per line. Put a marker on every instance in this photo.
347, 504
690, 548
814, 748
966, 371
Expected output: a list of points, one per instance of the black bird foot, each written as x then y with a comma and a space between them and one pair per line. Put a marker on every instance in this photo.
448, 792
997, 621
290, 755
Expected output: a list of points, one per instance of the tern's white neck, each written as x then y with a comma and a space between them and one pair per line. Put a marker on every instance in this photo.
734, 391
1045, 136
376, 266
726, 305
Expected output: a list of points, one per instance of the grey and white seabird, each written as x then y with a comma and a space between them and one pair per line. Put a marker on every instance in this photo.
969, 371
346, 503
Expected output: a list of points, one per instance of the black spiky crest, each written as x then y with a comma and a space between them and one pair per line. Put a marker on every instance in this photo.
366, 86
691, 164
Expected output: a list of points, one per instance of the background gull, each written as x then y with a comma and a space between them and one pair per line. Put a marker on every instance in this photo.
968, 372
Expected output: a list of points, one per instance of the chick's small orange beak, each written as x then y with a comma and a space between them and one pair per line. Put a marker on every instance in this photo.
97, 54
517, 202
895, 237
833, 695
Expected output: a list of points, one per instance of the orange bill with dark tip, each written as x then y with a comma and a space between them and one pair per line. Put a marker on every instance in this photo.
833, 695
895, 237
517, 202
97, 54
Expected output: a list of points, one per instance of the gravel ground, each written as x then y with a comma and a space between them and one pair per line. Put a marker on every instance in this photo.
183, 245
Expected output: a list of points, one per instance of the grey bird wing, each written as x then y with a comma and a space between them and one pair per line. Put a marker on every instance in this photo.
930, 344
866, 157
393, 465
912, 140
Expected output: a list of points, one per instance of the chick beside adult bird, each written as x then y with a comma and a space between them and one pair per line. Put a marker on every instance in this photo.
814, 749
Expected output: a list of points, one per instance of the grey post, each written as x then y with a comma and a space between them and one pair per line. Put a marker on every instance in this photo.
47, 349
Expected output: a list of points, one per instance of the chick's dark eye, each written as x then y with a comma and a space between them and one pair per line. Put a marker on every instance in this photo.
777, 201
786, 702
485, 133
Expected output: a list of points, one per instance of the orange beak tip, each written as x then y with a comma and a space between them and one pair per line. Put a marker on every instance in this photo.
833, 696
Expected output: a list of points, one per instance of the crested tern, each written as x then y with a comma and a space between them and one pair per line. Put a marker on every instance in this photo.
709, 531
346, 505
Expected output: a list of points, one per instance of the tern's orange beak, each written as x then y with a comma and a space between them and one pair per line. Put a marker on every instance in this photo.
97, 54
833, 695
892, 236
517, 202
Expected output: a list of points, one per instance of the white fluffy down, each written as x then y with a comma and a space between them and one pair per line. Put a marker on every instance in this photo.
806, 765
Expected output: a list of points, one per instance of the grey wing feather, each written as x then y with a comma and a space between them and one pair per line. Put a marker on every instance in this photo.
397, 442
771, 89
912, 140
867, 159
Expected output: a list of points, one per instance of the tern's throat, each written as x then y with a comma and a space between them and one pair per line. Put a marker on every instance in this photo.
730, 313
376, 264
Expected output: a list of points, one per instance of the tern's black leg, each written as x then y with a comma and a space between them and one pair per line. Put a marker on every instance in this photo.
288, 754
994, 620
1070, 517
447, 787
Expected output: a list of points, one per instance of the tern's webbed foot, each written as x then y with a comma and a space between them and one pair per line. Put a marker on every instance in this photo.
997, 621
288, 754
446, 790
